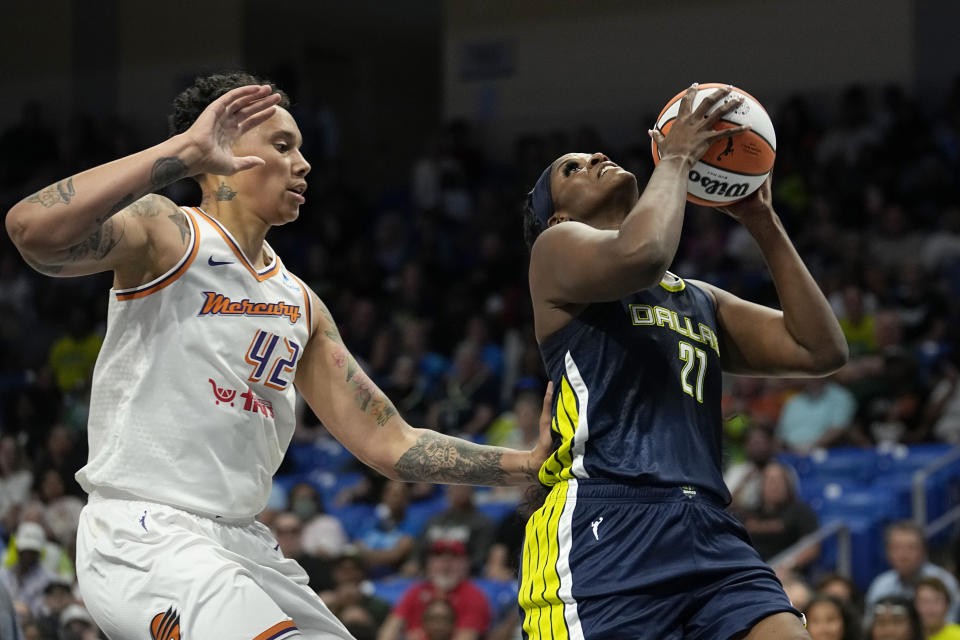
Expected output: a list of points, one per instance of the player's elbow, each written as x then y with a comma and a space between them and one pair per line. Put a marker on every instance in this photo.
30, 235
382, 454
831, 358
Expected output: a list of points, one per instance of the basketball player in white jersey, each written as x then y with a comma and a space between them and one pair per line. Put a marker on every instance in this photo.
193, 392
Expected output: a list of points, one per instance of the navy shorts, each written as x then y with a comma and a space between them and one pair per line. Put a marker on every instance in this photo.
607, 560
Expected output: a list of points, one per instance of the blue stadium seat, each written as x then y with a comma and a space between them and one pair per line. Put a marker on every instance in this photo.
419, 512
496, 511
355, 518
861, 502
900, 458
843, 465
502, 594
392, 589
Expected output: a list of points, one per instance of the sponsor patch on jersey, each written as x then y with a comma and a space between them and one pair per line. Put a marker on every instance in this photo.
165, 625
218, 304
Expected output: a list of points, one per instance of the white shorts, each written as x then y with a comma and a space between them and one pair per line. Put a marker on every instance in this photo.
147, 570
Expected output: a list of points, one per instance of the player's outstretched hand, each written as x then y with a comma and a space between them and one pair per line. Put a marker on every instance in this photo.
222, 122
692, 132
545, 442
758, 203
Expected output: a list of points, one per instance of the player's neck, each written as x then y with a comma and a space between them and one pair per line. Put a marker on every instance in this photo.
248, 229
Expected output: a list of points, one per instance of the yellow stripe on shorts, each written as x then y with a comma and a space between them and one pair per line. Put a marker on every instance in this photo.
559, 466
540, 583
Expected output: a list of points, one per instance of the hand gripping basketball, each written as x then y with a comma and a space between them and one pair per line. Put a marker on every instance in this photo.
544, 447
692, 132
223, 122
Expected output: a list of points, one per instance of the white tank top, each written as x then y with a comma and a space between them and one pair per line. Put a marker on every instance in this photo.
193, 400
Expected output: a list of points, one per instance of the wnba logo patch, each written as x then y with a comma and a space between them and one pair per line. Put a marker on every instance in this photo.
165, 626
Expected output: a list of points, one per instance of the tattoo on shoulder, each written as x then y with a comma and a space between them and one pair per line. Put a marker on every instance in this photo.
122, 203
331, 332
368, 397
439, 458
225, 193
166, 171
181, 222
61, 192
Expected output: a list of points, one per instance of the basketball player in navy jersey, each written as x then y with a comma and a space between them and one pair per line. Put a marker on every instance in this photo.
192, 404
633, 540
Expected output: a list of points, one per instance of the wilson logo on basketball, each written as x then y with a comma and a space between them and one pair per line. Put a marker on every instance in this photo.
166, 625
719, 187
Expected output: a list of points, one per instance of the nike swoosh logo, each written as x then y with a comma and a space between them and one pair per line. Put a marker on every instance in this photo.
216, 263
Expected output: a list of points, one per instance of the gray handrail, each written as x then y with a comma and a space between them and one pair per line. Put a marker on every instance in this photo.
920, 480
837, 528
941, 523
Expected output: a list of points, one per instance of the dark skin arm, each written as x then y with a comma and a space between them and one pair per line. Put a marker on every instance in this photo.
574, 264
804, 339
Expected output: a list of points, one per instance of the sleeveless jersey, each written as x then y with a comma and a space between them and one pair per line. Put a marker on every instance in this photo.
192, 402
637, 391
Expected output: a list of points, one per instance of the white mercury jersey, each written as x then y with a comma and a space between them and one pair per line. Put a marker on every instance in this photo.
193, 400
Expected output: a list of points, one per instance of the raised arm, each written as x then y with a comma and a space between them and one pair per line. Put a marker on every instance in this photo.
96, 220
804, 339
364, 420
575, 263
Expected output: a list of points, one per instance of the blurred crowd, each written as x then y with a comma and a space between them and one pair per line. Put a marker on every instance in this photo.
426, 279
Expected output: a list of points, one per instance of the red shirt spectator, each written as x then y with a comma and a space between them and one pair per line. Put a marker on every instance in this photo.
447, 570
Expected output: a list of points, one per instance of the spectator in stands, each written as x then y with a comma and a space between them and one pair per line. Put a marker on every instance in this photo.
782, 518
895, 618
745, 479
76, 624
857, 321
73, 354
389, 542
469, 395
796, 587
288, 530
349, 590
818, 416
15, 477
9, 625
323, 535
439, 621
503, 560
843, 588
932, 601
907, 554
27, 579
829, 618
56, 597
460, 521
942, 412
64, 453
447, 571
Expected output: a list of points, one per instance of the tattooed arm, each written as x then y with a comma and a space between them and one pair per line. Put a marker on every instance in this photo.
73, 227
364, 420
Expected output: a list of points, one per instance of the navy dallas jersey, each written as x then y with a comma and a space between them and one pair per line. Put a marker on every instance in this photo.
638, 391
633, 540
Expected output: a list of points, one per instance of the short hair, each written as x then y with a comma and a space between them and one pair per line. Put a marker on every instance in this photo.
191, 102
905, 526
937, 585
916, 627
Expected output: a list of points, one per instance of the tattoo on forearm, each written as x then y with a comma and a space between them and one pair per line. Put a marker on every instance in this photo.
98, 245
439, 458
225, 193
61, 192
166, 171
368, 397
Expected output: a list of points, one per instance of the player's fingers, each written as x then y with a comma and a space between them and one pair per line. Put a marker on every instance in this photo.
257, 106
251, 91
656, 136
711, 100
727, 133
686, 103
247, 162
722, 110
546, 413
243, 101
256, 119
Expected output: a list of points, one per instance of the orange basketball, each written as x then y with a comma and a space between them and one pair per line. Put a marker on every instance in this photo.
733, 167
